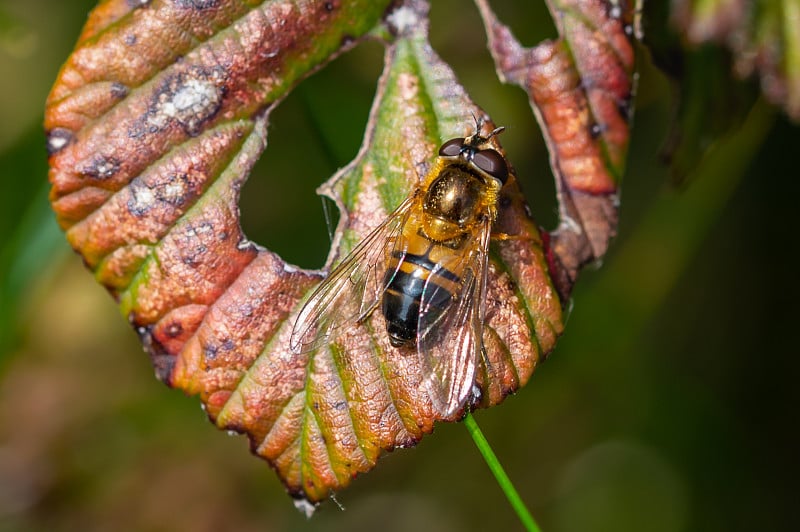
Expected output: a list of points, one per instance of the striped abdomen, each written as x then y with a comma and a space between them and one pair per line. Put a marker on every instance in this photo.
401, 301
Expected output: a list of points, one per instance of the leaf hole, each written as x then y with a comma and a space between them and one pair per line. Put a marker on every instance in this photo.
314, 132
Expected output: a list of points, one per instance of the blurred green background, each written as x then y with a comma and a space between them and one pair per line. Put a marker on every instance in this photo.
670, 403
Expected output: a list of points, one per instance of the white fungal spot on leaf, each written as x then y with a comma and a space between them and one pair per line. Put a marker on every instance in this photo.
305, 507
141, 201
190, 103
174, 191
57, 140
403, 19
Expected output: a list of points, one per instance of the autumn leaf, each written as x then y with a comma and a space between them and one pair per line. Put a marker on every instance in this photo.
153, 127
581, 88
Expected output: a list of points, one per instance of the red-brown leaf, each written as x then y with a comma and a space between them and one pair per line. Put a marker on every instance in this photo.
581, 88
154, 125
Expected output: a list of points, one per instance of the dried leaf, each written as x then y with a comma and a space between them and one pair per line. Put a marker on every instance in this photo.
581, 89
153, 126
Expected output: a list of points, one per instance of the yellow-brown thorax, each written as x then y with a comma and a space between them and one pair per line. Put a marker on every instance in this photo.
455, 200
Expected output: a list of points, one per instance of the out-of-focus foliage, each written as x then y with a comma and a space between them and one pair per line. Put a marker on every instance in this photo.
667, 406
720, 55
762, 35
28, 238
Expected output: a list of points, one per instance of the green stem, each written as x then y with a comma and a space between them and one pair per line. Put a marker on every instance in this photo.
497, 470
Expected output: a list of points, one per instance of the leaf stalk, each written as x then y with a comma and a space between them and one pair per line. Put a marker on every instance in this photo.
500, 475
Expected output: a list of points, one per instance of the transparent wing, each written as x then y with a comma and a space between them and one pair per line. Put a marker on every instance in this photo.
449, 334
353, 288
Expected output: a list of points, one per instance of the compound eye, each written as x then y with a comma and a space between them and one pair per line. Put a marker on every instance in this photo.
452, 147
492, 163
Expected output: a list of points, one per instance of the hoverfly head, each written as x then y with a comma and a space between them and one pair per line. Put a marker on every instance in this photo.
474, 150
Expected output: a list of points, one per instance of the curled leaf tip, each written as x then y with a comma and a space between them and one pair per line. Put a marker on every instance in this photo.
581, 88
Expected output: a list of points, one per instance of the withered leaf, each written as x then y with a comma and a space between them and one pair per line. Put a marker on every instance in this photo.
153, 126
581, 88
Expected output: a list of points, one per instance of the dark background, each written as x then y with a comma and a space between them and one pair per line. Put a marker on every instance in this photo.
669, 404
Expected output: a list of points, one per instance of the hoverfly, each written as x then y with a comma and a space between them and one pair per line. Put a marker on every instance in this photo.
426, 267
